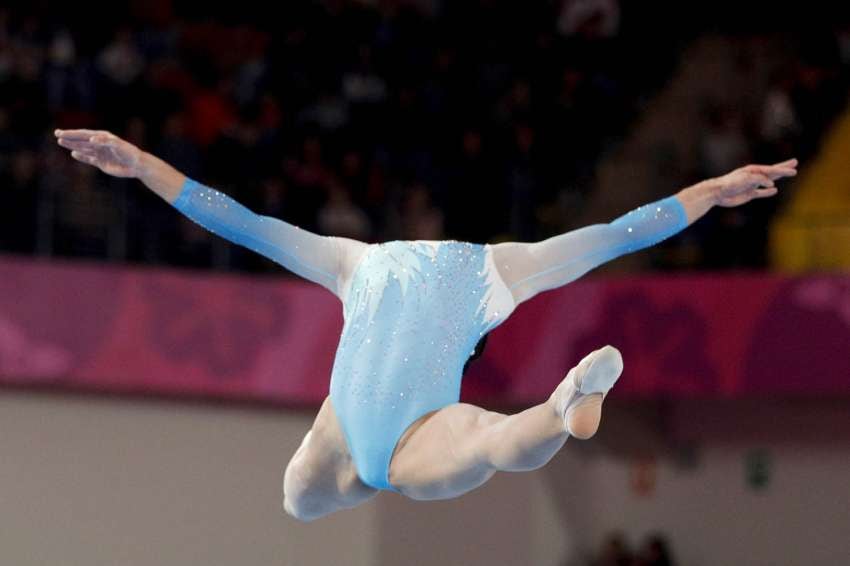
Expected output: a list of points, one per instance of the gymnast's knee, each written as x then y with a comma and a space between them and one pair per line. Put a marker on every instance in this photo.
297, 510
297, 500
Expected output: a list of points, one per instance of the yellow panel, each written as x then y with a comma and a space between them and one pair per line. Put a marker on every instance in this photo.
814, 231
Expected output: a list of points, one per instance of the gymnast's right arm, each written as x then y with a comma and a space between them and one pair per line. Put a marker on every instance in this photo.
326, 260
530, 268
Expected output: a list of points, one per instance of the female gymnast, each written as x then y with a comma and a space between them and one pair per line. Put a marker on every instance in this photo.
413, 314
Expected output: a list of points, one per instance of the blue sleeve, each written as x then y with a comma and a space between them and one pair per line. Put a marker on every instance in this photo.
309, 255
531, 268
647, 225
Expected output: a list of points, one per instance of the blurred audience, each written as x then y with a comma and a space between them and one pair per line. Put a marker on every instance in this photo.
615, 551
655, 552
397, 119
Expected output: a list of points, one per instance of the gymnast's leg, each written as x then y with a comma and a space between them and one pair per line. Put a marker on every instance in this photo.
461, 446
321, 477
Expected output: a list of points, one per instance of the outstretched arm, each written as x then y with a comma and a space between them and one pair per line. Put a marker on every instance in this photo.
325, 260
529, 268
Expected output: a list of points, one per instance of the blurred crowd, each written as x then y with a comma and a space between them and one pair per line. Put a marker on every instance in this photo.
372, 120
653, 551
788, 118
376, 120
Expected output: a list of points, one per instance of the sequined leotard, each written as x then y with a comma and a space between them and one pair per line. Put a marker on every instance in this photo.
413, 314
414, 310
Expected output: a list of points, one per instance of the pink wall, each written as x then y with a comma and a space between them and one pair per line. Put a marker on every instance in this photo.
165, 332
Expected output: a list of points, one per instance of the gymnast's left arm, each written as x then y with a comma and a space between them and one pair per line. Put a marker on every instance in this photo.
530, 268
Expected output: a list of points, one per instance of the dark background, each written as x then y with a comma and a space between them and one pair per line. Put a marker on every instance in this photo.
477, 121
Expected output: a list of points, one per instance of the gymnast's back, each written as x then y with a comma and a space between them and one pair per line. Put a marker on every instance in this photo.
413, 313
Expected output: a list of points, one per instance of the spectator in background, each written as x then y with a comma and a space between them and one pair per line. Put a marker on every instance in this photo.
329, 112
723, 144
362, 84
339, 216
84, 211
7, 139
67, 82
19, 181
121, 61
655, 552
308, 179
251, 74
353, 174
522, 181
569, 113
5, 45
211, 110
600, 16
194, 246
779, 125
473, 182
176, 147
420, 219
516, 105
817, 96
842, 36
23, 95
136, 131
614, 552
240, 141
376, 202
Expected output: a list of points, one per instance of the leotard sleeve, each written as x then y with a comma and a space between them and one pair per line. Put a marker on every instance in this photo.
326, 260
530, 268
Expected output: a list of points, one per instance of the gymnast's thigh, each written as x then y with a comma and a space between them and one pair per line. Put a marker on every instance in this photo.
322, 465
442, 456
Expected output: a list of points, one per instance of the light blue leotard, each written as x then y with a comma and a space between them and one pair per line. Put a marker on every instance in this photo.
414, 310
413, 315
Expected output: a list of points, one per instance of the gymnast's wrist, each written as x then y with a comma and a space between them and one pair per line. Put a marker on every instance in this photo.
703, 195
145, 166
711, 190
159, 176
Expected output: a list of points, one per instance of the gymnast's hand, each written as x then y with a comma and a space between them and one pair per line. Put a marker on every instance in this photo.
750, 182
104, 150
734, 189
120, 158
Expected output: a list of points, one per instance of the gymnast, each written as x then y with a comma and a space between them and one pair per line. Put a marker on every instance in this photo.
415, 313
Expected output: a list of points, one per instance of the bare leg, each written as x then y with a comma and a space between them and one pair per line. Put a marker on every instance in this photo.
461, 446
453, 450
321, 477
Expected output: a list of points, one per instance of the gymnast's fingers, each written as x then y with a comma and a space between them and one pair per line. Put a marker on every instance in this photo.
104, 139
773, 171
76, 134
764, 193
87, 158
787, 163
72, 144
779, 172
759, 179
